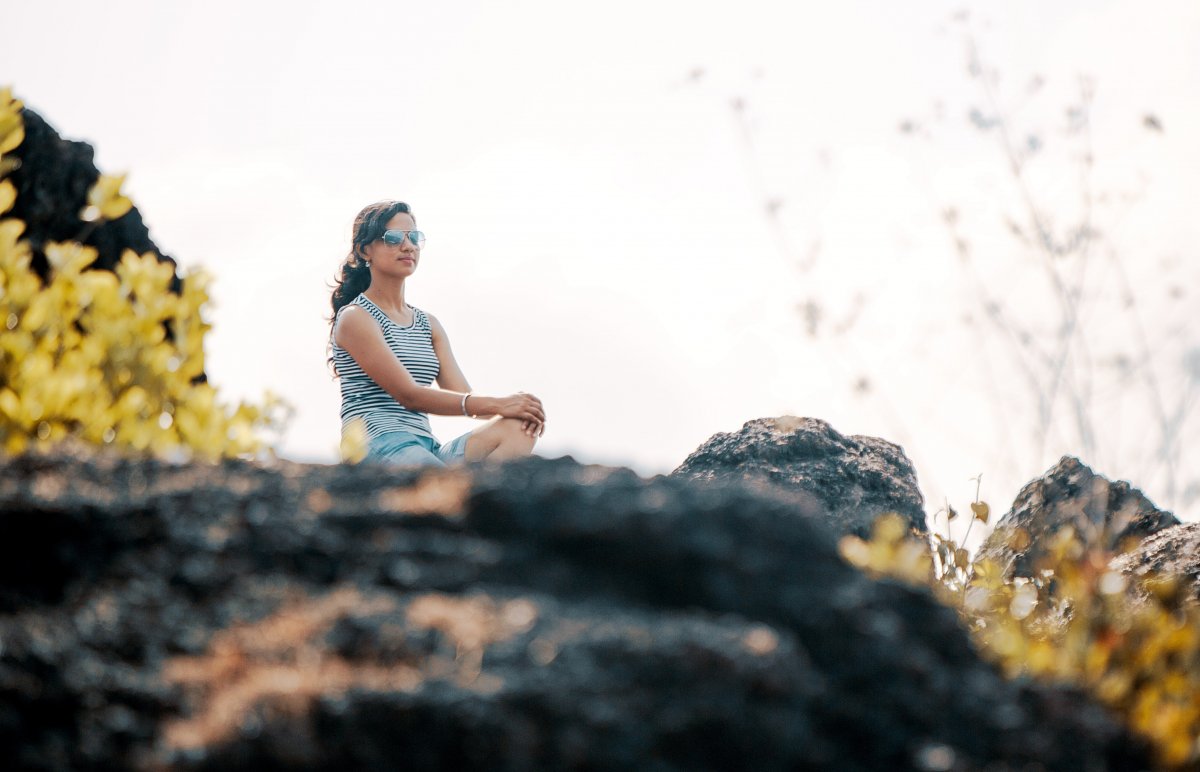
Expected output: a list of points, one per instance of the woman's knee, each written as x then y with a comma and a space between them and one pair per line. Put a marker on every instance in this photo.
517, 430
507, 427
513, 434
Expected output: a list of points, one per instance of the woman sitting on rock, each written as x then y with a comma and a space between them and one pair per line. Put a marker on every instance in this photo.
387, 353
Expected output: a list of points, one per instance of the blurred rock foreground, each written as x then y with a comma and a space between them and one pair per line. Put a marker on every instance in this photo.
542, 614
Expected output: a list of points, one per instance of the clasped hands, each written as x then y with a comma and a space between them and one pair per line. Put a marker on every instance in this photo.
529, 409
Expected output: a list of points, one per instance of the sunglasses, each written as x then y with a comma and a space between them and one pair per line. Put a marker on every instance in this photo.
394, 237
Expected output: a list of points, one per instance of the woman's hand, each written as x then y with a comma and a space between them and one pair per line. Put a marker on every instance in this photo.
526, 407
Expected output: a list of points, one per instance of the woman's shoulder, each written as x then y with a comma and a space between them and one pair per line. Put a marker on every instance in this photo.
353, 313
359, 300
361, 304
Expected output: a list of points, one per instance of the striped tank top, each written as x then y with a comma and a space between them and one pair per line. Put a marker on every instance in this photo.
362, 397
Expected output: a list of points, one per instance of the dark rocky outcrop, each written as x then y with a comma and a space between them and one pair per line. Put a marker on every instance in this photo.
1109, 515
52, 179
853, 479
537, 615
1173, 552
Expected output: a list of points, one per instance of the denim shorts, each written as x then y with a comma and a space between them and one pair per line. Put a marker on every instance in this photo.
408, 449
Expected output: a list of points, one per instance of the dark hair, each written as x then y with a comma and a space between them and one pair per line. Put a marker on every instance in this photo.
355, 273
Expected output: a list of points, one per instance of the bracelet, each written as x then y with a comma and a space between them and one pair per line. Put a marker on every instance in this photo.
464, 405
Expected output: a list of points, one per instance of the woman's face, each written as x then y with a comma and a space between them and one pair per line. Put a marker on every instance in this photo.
394, 259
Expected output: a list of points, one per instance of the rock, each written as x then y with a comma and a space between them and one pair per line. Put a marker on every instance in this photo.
1113, 516
1171, 552
52, 182
852, 479
536, 615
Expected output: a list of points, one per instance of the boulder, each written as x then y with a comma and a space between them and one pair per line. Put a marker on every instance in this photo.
1172, 552
853, 479
1112, 516
540, 614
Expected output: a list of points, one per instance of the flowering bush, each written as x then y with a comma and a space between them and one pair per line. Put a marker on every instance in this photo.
107, 358
1134, 644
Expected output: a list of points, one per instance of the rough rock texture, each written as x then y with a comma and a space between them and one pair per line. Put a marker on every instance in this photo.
1112, 515
52, 184
1173, 551
537, 615
854, 479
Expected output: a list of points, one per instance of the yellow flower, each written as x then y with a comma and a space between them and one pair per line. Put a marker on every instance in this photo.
12, 126
8, 195
69, 257
354, 441
105, 200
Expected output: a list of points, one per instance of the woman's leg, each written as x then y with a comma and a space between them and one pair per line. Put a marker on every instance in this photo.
499, 439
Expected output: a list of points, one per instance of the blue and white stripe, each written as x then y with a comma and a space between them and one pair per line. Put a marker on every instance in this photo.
363, 398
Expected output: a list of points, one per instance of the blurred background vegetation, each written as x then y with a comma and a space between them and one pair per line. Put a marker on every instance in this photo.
1071, 338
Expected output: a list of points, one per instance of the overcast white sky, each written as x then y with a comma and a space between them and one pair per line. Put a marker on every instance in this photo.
594, 204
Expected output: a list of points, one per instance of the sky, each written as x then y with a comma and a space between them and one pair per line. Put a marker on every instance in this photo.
631, 205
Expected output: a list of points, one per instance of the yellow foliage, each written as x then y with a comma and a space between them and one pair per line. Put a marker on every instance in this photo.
889, 552
12, 127
8, 195
109, 359
105, 200
354, 441
1134, 644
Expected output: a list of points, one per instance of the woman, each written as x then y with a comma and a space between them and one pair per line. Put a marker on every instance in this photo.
387, 353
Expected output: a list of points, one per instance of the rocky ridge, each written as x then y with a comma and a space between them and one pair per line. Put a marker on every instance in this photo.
540, 614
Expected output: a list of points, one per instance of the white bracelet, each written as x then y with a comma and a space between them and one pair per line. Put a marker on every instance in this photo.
464, 405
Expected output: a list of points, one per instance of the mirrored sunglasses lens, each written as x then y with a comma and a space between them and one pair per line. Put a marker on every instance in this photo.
417, 238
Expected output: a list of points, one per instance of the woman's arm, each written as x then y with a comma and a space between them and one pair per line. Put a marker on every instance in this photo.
360, 336
450, 375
